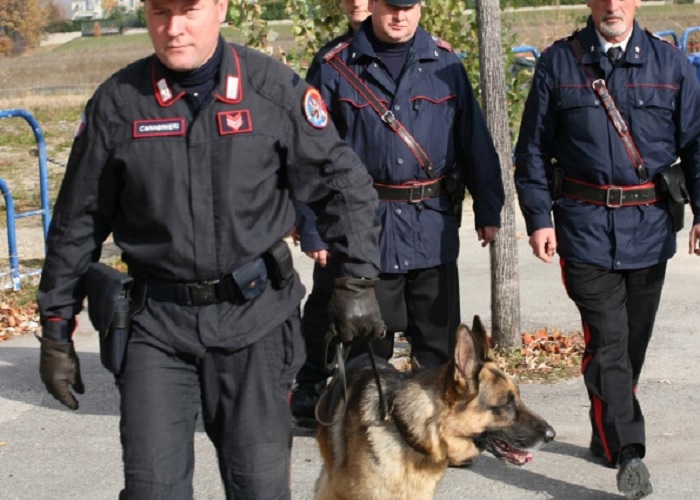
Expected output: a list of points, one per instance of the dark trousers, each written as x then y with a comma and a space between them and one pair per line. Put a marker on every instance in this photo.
618, 309
424, 305
315, 325
243, 397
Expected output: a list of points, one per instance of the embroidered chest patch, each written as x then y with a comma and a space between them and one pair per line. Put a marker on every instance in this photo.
159, 128
315, 109
234, 122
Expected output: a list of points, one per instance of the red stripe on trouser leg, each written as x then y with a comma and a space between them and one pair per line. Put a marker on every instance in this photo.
597, 403
598, 417
586, 338
562, 266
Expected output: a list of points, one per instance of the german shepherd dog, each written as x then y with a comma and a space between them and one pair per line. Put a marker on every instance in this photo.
435, 418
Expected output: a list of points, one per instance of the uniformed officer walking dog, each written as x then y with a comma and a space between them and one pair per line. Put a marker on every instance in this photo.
403, 101
190, 157
436, 417
610, 111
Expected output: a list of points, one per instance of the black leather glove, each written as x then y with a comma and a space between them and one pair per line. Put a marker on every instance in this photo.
59, 366
353, 309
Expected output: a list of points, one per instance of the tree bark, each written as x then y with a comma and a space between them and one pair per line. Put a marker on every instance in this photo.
505, 287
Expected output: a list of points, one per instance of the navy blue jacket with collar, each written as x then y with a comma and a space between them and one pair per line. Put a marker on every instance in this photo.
658, 94
435, 102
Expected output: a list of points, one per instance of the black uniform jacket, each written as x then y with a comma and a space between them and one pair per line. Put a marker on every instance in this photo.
190, 197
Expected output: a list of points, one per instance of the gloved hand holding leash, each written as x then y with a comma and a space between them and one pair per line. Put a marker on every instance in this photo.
354, 313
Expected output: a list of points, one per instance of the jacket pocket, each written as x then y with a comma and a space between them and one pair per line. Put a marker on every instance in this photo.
285, 350
579, 114
652, 109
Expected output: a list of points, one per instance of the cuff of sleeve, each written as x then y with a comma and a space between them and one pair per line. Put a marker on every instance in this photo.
535, 222
311, 242
355, 270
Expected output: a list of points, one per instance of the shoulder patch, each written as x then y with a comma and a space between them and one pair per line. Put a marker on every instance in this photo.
442, 44
314, 108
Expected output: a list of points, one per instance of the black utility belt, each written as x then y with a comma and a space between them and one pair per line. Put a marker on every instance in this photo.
612, 196
413, 191
243, 284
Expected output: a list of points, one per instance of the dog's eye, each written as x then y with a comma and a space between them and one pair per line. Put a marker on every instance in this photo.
506, 405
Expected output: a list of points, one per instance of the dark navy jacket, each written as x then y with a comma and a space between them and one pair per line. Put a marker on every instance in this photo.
658, 94
191, 197
435, 102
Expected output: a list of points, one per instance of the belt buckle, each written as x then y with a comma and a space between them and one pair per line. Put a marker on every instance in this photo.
203, 293
420, 191
610, 201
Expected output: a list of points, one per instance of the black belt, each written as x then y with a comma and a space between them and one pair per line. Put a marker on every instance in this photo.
416, 191
194, 294
612, 196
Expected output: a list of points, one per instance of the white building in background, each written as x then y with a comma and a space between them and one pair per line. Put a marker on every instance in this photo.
92, 9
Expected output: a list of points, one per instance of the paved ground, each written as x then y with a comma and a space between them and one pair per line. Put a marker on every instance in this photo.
50, 453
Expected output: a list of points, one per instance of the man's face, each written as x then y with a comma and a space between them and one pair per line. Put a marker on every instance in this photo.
394, 24
184, 33
356, 11
613, 18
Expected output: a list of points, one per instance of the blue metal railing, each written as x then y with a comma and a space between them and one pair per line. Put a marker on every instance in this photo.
686, 35
669, 34
44, 211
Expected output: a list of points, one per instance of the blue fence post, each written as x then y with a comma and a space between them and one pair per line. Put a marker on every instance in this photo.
11, 241
44, 211
686, 35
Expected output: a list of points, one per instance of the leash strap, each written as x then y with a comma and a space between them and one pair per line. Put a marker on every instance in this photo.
601, 89
383, 410
384, 114
338, 367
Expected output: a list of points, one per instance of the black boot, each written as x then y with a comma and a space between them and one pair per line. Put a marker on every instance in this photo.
303, 403
633, 476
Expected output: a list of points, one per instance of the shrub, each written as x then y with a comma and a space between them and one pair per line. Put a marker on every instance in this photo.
61, 26
274, 10
5, 46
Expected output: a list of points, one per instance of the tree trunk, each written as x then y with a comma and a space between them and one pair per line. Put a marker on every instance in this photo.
505, 293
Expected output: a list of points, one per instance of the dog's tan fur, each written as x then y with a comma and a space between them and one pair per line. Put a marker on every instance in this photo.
436, 417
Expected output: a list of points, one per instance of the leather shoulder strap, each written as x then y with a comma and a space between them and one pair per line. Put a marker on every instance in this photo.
384, 114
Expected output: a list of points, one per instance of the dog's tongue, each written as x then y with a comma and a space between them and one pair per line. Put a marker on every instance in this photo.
518, 457
514, 455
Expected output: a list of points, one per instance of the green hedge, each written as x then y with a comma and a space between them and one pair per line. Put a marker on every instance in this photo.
62, 26
274, 10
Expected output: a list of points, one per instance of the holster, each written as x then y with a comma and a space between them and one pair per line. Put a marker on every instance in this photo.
671, 181
279, 263
556, 183
456, 191
108, 308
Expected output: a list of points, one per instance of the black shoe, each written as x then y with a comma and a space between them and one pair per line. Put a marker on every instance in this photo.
598, 452
633, 476
303, 402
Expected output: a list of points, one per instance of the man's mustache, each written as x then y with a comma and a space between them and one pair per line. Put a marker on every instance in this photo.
612, 17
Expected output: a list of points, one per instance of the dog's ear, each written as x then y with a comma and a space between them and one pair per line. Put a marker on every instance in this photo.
467, 357
481, 338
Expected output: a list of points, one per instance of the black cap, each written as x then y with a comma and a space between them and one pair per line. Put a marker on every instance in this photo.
402, 3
